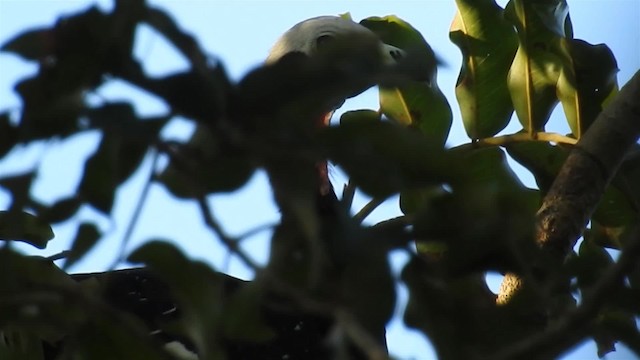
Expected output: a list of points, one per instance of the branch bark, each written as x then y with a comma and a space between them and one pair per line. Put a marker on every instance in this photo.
577, 189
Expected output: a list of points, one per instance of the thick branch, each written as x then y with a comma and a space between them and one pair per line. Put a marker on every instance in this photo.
583, 178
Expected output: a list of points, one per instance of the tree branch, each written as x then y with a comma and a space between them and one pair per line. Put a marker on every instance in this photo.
581, 182
574, 323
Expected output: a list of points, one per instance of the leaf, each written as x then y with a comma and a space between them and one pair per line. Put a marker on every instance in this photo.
202, 96
594, 260
19, 186
383, 158
33, 45
206, 164
419, 102
360, 116
8, 134
25, 227
61, 210
51, 105
484, 223
488, 45
537, 65
100, 178
587, 82
125, 142
542, 159
86, 238
412, 200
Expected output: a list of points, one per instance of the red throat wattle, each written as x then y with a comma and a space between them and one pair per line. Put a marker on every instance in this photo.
323, 171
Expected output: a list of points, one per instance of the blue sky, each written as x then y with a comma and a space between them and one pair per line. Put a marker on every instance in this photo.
240, 34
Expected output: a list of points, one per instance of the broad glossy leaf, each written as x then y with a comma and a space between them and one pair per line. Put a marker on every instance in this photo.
542, 159
419, 102
542, 25
587, 82
87, 236
488, 44
22, 226
383, 158
483, 220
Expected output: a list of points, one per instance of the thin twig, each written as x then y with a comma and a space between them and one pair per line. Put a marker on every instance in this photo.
231, 243
59, 256
137, 211
348, 192
367, 209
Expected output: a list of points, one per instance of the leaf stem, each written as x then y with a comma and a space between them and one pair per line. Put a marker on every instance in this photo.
505, 140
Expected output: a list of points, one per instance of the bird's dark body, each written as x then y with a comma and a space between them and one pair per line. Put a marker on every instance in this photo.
140, 293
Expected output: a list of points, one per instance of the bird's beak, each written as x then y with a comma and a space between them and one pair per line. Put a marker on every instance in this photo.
391, 54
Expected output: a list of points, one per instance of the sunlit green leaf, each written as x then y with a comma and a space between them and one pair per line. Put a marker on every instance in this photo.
419, 102
587, 82
538, 62
488, 44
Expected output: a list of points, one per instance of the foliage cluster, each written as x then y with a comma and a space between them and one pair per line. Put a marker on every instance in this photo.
463, 207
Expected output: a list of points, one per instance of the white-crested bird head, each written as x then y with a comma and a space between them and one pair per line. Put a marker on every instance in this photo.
312, 34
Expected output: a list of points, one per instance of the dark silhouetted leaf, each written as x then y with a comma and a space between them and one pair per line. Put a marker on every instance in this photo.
86, 237
22, 226
32, 45
383, 158
8, 134
360, 116
61, 210
205, 165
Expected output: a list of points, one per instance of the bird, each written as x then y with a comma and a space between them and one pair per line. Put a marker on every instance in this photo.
299, 335
333, 34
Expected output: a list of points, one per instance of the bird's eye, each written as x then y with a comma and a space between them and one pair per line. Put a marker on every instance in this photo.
323, 40
395, 54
